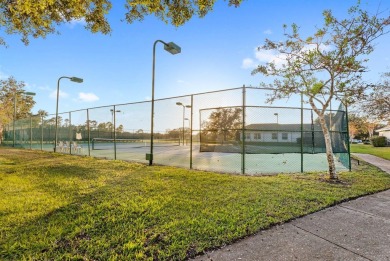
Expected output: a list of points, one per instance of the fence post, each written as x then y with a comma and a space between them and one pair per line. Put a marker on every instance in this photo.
301, 132
243, 130
41, 132
70, 133
348, 143
114, 117
30, 131
89, 133
192, 114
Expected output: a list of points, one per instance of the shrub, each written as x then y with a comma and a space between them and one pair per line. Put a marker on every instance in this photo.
379, 141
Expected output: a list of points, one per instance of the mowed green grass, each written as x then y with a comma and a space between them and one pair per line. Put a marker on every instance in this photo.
383, 152
63, 207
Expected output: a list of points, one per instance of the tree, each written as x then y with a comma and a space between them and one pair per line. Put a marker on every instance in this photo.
101, 126
357, 126
10, 91
362, 126
120, 129
175, 12
377, 102
327, 65
40, 18
92, 124
42, 113
223, 123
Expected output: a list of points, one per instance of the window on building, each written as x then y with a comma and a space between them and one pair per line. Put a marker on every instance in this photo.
247, 136
257, 136
274, 136
284, 136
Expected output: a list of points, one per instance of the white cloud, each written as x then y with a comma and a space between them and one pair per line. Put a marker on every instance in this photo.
76, 22
62, 94
88, 97
268, 31
270, 56
248, 63
267, 56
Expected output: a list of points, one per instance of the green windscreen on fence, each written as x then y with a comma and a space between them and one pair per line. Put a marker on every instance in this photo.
223, 130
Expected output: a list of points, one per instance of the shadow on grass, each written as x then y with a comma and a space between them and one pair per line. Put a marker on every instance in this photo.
78, 229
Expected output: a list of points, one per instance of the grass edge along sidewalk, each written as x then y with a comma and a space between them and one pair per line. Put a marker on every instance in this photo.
60, 207
382, 152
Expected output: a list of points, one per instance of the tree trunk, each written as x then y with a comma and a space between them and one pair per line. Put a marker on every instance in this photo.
329, 149
328, 141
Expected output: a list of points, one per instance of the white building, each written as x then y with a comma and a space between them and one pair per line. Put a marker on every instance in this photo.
277, 132
385, 132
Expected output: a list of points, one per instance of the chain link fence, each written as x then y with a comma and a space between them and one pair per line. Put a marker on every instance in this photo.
231, 130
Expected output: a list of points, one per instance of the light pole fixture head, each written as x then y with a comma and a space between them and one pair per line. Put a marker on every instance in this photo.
29, 93
76, 79
188, 106
172, 48
179, 103
276, 114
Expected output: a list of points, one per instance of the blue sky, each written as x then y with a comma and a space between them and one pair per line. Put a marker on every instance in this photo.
218, 52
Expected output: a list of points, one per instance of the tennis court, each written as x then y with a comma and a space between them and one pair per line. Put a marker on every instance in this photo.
225, 131
179, 156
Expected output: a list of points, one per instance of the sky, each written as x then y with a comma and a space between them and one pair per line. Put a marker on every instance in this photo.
218, 52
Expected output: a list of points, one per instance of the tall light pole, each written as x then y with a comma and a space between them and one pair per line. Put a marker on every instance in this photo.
277, 117
172, 48
15, 93
73, 79
112, 123
189, 125
184, 112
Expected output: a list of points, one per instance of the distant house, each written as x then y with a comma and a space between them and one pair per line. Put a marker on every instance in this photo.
273, 132
385, 132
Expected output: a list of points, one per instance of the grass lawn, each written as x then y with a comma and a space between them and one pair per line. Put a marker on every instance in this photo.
63, 207
383, 152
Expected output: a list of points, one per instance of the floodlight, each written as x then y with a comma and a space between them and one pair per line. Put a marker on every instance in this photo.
172, 48
76, 79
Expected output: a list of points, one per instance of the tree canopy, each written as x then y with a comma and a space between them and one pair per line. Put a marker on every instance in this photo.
377, 102
326, 65
11, 98
223, 122
32, 18
10, 91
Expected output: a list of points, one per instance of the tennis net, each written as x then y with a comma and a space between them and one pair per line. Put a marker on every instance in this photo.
105, 143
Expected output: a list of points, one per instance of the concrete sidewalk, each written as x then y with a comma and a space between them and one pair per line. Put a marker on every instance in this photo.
374, 160
354, 230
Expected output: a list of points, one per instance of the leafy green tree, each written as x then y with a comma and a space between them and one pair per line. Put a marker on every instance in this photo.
175, 12
326, 65
10, 91
222, 123
120, 129
40, 18
103, 126
43, 113
362, 127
